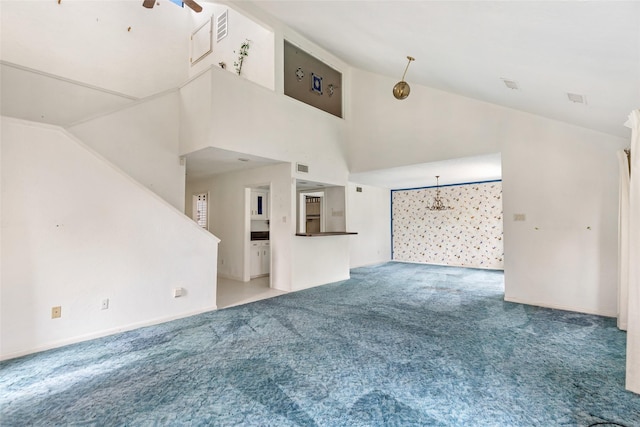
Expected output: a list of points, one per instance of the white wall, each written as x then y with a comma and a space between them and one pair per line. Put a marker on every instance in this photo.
319, 260
562, 177
258, 66
229, 219
150, 57
282, 32
219, 109
222, 110
296, 262
196, 113
335, 212
38, 96
76, 230
142, 140
369, 215
428, 126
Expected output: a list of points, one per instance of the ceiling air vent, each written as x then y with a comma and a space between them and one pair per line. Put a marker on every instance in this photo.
302, 168
510, 84
578, 99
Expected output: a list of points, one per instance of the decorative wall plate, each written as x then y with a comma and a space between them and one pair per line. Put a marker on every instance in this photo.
316, 84
299, 73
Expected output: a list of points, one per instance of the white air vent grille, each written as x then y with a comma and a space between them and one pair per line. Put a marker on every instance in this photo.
222, 28
578, 99
510, 84
302, 168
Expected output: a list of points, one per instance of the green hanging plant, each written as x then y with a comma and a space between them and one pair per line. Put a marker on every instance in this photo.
242, 53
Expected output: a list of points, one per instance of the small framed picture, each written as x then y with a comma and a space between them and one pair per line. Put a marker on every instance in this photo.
201, 42
316, 83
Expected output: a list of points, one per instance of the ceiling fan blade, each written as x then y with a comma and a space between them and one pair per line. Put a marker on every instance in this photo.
193, 5
149, 3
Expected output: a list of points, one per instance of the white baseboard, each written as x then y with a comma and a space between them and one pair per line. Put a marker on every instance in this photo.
230, 277
103, 333
313, 285
559, 307
449, 265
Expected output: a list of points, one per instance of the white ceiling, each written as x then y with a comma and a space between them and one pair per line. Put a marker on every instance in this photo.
116, 45
455, 171
550, 48
213, 161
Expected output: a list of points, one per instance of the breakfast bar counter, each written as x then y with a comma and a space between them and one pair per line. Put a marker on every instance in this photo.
326, 233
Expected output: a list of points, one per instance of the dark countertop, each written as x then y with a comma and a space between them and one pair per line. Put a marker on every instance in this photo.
327, 233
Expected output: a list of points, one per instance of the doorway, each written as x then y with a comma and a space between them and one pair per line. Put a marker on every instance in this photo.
257, 263
311, 217
234, 292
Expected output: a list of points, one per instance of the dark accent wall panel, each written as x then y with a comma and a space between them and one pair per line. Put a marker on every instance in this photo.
311, 81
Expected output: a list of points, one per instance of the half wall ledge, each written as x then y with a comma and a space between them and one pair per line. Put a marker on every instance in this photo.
326, 233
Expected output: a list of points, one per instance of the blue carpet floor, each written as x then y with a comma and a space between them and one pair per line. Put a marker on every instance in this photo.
397, 345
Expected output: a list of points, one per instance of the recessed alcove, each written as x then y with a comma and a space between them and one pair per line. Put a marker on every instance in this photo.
320, 207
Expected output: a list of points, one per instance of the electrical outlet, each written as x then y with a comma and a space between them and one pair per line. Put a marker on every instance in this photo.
56, 312
105, 304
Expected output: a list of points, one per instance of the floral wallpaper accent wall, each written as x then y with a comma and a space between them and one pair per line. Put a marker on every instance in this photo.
469, 235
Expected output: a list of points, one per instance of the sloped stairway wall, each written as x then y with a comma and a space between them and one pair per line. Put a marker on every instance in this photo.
139, 136
76, 230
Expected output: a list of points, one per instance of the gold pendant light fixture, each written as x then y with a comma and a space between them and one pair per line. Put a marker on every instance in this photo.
401, 89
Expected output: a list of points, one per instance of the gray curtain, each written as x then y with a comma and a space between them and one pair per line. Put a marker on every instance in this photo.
623, 242
633, 325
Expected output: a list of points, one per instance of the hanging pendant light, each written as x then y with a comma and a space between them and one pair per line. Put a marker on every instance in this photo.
401, 89
438, 204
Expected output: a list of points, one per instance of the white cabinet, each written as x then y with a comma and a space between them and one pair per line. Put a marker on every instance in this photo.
265, 262
259, 204
260, 258
256, 265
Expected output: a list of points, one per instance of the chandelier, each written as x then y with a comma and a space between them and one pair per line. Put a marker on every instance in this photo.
438, 204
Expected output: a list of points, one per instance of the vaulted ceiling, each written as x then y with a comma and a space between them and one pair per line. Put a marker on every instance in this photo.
548, 48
